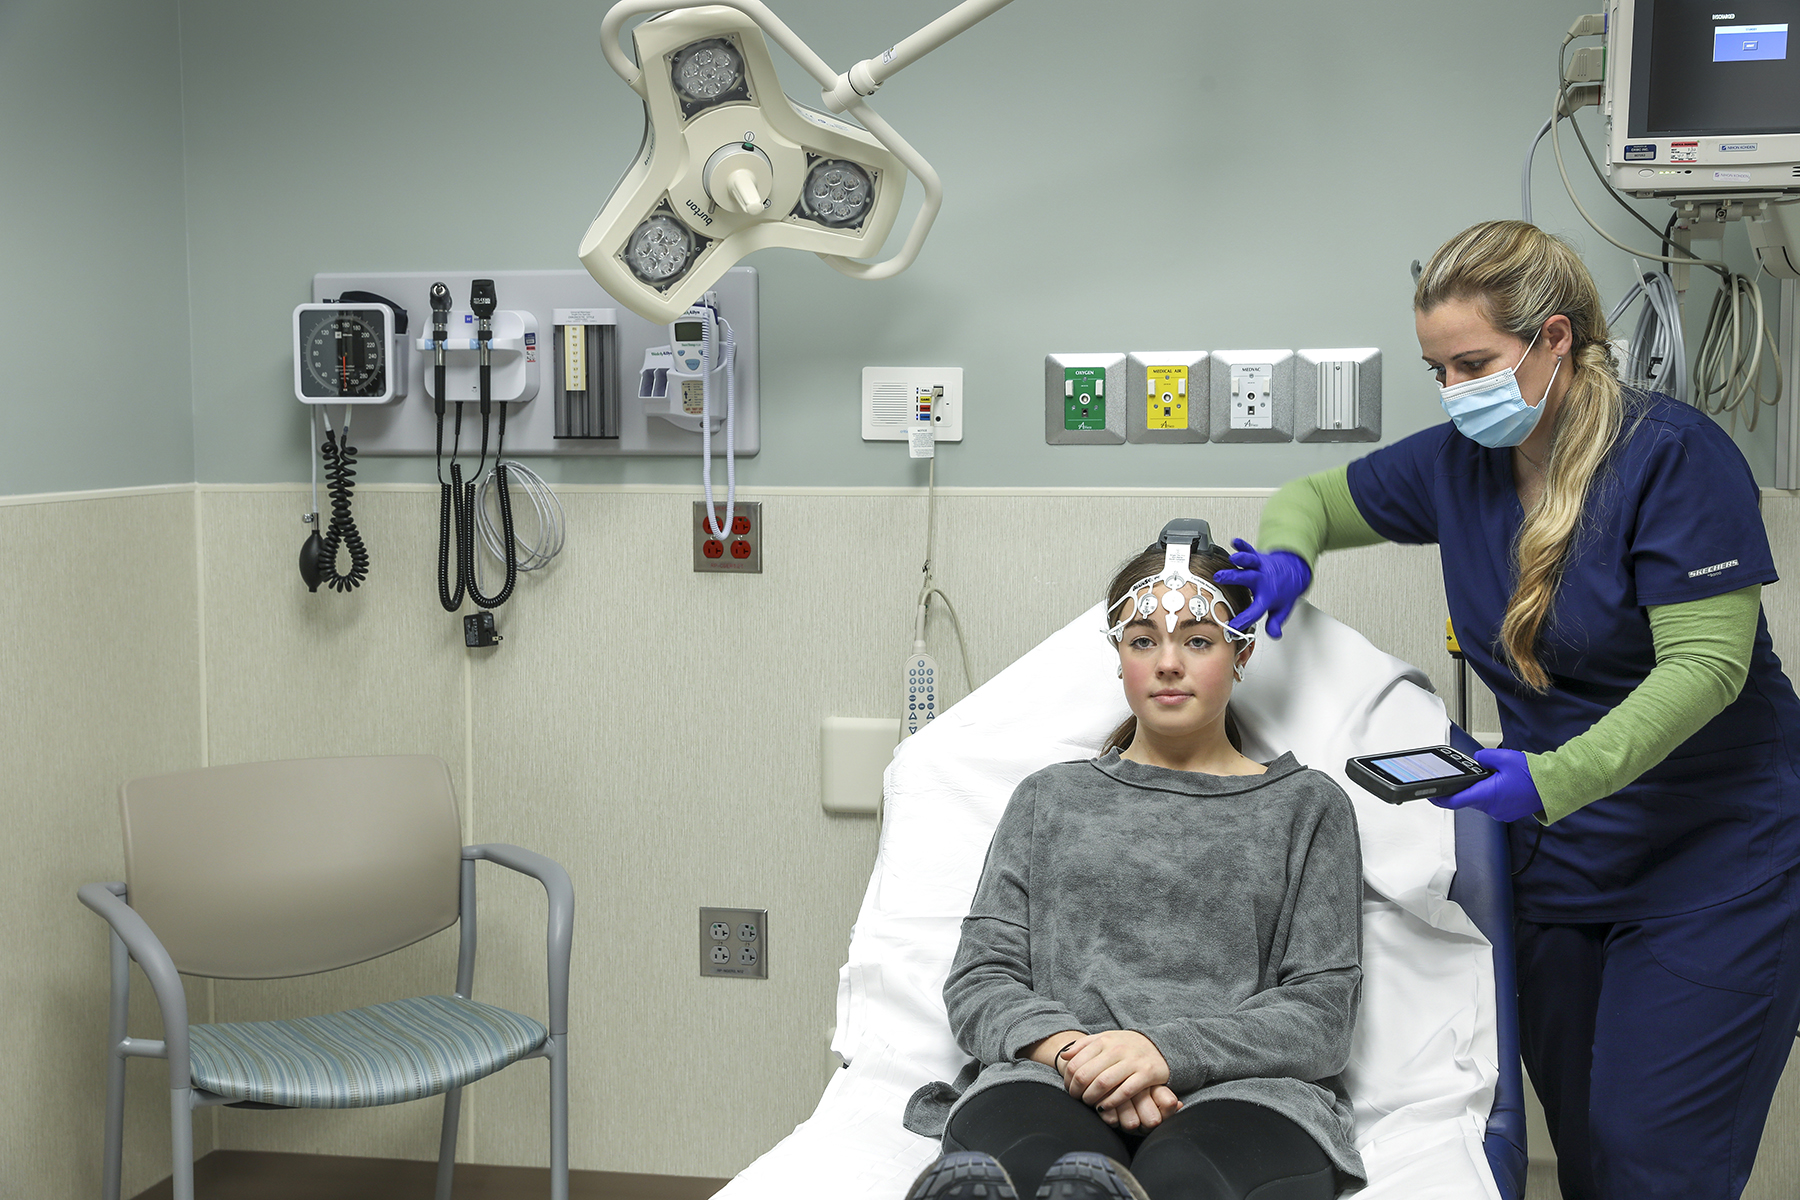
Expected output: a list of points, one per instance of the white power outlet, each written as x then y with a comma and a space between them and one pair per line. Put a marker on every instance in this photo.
734, 943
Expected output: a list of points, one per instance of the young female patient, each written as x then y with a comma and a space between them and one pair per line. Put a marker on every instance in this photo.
1159, 972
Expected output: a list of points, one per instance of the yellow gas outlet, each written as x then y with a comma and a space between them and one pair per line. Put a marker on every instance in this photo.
1166, 398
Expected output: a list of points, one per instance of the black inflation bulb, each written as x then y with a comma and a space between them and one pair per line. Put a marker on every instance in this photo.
312, 552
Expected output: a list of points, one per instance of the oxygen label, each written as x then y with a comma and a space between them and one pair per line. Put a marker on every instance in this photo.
1084, 398
1166, 398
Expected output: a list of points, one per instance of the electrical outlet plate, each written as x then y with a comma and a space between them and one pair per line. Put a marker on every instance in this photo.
1178, 407
740, 551
1084, 400
734, 943
1253, 396
891, 397
1337, 395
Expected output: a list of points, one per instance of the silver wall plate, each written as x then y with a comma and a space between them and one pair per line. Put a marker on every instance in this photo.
1337, 395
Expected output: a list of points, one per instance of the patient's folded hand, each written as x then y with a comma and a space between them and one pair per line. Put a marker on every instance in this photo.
1145, 1110
1108, 1069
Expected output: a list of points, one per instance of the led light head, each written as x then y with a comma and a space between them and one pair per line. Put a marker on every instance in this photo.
708, 72
660, 249
837, 193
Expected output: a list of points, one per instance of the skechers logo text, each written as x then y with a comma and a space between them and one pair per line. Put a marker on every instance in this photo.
1712, 570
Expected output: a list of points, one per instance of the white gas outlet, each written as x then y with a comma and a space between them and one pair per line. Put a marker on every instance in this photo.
1252, 395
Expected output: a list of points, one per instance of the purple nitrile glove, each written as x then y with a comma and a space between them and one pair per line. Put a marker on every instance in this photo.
1506, 795
1275, 580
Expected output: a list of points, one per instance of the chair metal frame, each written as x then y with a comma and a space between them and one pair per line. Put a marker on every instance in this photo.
132, 938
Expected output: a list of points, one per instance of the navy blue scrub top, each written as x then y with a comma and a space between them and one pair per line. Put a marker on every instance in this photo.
1674, 516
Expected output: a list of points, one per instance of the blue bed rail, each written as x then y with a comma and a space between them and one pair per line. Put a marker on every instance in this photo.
1483, 887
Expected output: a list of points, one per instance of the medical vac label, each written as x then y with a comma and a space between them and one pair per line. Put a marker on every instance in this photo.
1084, 398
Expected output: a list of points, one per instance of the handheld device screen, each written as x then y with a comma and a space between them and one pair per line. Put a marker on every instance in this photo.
1417, 766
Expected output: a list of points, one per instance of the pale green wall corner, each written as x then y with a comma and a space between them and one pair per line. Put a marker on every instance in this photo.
94, 388
1152, 175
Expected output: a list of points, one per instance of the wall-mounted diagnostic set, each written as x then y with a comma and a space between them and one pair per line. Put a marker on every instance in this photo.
512, 363
1152, 396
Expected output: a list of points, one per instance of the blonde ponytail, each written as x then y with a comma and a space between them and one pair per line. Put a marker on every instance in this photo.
1523, 277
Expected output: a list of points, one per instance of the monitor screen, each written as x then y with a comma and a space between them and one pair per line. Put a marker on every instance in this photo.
687, 331
1411, 768
1708, 69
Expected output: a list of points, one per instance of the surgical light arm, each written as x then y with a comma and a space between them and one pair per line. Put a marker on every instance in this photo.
845, 92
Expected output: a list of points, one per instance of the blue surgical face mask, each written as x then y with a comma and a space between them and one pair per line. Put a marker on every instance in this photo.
1491, 411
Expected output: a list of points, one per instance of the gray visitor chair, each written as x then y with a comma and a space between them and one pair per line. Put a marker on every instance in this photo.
273, 870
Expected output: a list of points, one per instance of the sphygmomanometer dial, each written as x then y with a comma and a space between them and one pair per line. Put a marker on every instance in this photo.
344, 352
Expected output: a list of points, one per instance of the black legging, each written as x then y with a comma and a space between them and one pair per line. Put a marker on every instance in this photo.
1218, 1150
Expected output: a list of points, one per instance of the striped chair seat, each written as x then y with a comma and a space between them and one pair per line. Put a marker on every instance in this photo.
385, 1054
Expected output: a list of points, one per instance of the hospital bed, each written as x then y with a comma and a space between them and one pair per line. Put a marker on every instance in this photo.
1434, 1064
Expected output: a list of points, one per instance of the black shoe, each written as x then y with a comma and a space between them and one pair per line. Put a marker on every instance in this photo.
966, 1175
1087, 1176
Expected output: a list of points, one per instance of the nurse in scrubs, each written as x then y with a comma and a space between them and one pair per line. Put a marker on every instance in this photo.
1603, 557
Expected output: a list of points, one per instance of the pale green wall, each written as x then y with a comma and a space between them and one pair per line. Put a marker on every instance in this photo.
1154, 174
94, 386
1159, 174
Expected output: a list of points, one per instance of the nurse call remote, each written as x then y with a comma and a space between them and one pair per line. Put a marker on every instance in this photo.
1403, 775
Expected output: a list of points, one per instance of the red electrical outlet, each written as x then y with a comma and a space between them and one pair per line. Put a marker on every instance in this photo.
740, 550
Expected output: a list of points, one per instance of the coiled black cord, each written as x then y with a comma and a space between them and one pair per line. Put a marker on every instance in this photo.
449, 508
340, 463
465, 523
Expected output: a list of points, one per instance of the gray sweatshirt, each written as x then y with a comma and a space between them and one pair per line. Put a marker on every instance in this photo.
1220, 916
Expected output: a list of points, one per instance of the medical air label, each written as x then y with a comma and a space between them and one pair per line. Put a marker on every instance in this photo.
1166, 398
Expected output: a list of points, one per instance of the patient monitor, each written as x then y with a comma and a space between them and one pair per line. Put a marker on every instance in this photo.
1703, 107
1703, 98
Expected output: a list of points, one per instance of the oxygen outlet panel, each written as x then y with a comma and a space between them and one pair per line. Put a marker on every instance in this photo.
1084, 399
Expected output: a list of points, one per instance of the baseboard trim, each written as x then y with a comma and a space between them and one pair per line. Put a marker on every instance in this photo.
264, 1175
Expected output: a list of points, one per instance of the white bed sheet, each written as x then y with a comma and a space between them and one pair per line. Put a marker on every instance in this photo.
1423, 1062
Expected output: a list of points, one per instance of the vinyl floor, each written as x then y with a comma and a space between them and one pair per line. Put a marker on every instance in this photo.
253, 1175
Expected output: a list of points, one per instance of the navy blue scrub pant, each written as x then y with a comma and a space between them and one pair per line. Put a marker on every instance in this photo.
1656, 1045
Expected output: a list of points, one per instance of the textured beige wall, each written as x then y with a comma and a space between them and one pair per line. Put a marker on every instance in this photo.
99, 681
653, 729
656, 731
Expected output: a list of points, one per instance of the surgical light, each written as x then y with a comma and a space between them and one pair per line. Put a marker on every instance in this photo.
659, 249
729, 164
705, 71
837, 193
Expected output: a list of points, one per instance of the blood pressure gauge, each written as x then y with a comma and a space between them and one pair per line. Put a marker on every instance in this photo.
347, 354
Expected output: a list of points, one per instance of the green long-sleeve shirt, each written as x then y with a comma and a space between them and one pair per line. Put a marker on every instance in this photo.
1702, 648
